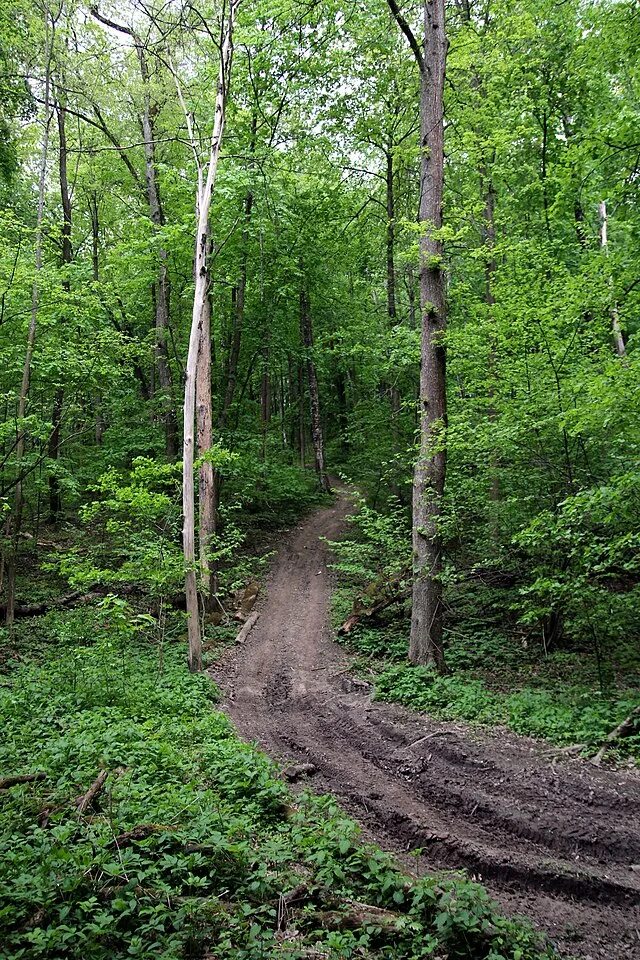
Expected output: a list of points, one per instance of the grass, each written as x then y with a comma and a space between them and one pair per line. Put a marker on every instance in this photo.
219, 837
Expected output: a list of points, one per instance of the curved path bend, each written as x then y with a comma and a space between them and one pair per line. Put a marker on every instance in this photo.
559, 844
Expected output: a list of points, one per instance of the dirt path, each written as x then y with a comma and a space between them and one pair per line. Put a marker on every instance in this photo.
559, 844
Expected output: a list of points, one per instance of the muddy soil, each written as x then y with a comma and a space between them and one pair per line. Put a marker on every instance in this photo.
558, 843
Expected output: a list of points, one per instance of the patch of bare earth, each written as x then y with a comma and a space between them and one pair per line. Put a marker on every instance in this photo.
558, 843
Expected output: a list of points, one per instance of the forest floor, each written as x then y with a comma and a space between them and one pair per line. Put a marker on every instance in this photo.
557, 841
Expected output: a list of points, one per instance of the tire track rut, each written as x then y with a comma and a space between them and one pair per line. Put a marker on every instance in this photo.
560, 844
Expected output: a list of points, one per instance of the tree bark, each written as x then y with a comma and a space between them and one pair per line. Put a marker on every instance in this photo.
200, 306
206, 486
317, 438
425, 645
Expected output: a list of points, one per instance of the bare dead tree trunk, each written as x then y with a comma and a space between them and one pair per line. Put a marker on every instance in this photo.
618, 340
18, 503
206, 481
200, 307
430, 472
317, 438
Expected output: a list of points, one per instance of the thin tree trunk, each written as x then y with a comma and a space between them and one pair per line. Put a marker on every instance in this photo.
301, 424
162, 278
152, 190
618, 340
430, 472
53, 450
18, 503
204, 194
314, 396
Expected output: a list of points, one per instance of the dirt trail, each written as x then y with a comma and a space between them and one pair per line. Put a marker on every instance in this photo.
559, 844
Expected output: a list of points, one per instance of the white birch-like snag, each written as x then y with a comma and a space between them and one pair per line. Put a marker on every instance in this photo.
425, 646
206, 478
205, 186
18, 503
618, 341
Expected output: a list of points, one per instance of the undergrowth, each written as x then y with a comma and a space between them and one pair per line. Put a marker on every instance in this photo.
500, 680
193, 839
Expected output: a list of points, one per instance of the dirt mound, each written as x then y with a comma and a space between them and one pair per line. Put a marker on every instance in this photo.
556, 843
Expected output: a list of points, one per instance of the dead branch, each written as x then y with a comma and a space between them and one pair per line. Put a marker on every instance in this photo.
624, 729
6, 782
247, 628
377, 597
358, 915
92, 793
141, 832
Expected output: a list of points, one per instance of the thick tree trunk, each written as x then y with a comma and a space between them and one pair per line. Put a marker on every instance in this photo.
425, 645
618, 340
317, 438
200, 307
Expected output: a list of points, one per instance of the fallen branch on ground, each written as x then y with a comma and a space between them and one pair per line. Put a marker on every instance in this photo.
247, 628
6, 782
624, 729
380, 596
85, 801
141, 832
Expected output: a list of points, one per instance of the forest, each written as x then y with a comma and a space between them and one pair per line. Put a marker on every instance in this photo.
319, 479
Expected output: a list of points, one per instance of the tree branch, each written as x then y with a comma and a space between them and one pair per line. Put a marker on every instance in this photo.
408, 32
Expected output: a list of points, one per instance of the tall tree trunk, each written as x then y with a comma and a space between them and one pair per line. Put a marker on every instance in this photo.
53, 450
391, 271
162, 277
204, 194
206, 484
618, 340
18, 504
490, 300
301, 423
156, 214
317, 438
391, 237
425, 645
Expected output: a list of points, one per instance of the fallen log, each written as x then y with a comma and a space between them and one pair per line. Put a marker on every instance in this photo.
6, 782
88, 798
358, 915
247, 628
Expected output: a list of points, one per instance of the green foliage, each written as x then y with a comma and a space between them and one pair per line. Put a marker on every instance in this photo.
222, 839
564, 716
380, 546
